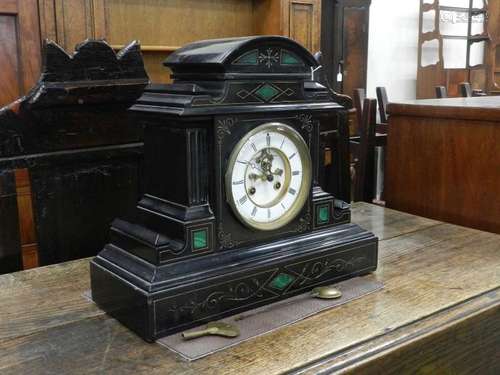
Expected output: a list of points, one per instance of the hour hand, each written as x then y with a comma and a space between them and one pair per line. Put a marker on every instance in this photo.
278, 172
254, 176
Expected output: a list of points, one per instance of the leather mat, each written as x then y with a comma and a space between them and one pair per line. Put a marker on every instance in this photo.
268, 318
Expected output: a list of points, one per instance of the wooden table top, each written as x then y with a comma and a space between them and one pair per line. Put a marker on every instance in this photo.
440, 305
475, 108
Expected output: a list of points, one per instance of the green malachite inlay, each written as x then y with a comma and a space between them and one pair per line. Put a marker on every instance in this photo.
200, 239
288, 59
249, 58
323, 215
281, 281
267, 92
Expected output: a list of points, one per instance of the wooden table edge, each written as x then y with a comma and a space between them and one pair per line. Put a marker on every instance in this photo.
374, 349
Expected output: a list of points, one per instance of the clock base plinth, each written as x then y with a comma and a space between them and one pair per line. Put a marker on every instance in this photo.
155, 301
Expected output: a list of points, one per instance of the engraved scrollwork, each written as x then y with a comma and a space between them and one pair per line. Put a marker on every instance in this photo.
316, 270
341, 216
243, 291
224, 128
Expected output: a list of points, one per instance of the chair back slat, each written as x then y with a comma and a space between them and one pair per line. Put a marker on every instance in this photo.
465, 89
358, 97
365, 170
441, 92
382, 103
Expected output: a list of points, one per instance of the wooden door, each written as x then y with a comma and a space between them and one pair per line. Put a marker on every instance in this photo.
355, 48
345, 43
302, 22
19, 48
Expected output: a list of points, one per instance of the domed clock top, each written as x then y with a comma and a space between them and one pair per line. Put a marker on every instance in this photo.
240, 57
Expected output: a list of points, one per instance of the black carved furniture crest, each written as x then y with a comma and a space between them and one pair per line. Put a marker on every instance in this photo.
233, 216
71, 136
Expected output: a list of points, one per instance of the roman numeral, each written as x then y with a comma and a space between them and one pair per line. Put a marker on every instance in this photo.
292, 191
282, 205
295, 173
268, 140
268, 213
242, 162
283, 141
254, 148
243, 199
238, 182
254, 211
291, 156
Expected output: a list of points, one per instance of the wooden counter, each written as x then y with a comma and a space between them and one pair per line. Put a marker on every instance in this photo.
443, 160
438, 313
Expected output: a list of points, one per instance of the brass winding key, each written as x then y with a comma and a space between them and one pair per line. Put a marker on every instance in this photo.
213, 328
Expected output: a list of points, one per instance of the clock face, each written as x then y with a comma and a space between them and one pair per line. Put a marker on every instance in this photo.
268, 178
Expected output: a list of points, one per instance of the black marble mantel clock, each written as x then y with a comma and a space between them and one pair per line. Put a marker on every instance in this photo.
233, 216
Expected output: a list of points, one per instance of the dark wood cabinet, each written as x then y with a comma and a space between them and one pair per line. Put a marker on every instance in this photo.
345, 43
70, 155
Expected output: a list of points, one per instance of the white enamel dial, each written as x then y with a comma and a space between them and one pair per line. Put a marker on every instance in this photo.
269, 176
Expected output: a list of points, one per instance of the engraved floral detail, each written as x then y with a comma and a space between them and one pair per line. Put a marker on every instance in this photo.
268, 58
304, 223
306, 121
314, 271
226, 241
224, 128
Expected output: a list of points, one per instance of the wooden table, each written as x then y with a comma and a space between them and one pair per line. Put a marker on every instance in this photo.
443, 160
438, 313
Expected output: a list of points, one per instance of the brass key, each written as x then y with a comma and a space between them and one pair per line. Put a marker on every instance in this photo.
213, 328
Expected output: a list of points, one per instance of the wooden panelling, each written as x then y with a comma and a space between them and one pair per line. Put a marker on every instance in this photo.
161, 25
164, 25
29, 246
70, 22
8, 7
19, 48
9, 84
302, 22
355, 31
176, 22
267, 17
344, 43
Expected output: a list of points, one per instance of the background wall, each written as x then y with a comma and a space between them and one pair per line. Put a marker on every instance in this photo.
393, 48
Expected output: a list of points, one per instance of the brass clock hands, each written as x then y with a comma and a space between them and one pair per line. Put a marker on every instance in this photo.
264, 164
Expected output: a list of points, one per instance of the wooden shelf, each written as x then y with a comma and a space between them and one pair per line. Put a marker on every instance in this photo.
474, 11
118, 47
478, 38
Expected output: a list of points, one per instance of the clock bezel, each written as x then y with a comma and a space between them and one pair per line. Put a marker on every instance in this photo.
305, 189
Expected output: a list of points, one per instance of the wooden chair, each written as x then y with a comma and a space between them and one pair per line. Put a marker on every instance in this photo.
358, 98
465, 89
382, 104
363, 150
441, 92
